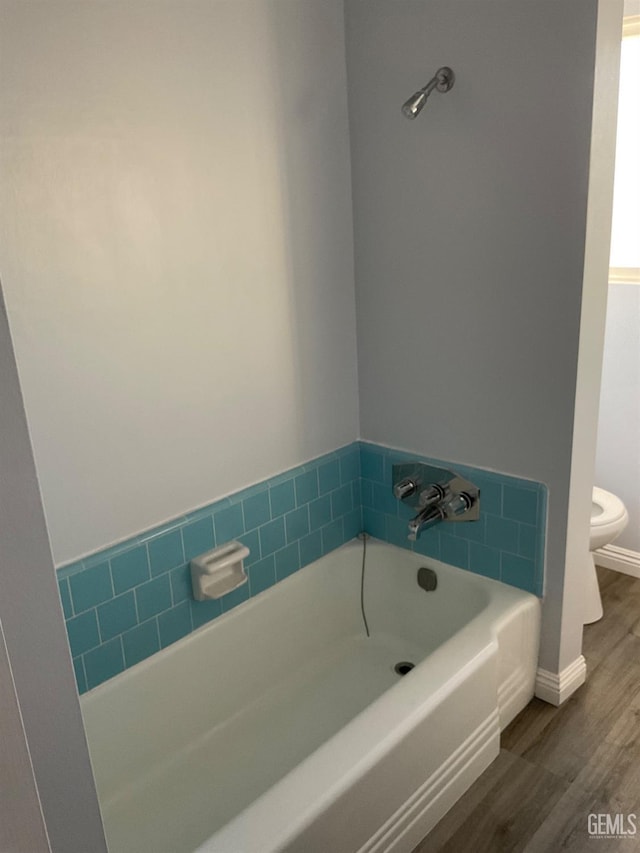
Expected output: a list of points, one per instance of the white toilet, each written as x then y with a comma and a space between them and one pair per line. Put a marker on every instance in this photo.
609, 517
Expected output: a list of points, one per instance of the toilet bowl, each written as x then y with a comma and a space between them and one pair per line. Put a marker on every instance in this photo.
609, 517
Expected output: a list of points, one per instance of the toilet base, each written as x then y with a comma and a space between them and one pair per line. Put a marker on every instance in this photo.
592, 601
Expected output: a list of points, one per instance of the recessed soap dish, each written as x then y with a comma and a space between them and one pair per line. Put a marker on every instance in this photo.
219, 571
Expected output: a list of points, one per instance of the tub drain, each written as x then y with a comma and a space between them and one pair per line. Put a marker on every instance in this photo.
403, 667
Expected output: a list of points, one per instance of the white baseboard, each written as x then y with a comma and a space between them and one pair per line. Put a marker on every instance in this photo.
618, 559
556, 687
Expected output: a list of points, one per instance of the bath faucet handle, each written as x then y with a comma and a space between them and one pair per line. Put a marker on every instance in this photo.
405, 488
433, 494
459, 504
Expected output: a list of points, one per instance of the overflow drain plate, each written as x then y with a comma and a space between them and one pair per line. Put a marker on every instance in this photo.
403, 667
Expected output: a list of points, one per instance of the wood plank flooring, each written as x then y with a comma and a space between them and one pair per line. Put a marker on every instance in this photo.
558, 765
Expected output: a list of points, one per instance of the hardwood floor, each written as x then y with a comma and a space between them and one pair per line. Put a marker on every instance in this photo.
558, 765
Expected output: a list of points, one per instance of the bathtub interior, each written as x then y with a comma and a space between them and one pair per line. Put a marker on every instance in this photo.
185, 741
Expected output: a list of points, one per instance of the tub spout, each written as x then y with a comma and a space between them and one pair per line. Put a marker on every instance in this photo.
427, 517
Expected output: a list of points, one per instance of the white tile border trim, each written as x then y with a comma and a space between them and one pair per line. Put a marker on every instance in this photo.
618, 559
556, 687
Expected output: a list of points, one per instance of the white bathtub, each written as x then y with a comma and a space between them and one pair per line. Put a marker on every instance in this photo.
282, 727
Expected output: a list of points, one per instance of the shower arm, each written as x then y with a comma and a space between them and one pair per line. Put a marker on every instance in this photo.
442, 80
431, 85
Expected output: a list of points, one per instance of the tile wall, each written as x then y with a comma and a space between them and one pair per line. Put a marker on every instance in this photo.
123, 604
506, 543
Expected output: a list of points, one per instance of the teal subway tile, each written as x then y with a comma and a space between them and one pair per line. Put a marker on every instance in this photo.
117, 616
283, 498
472, 531
520, 504
285, 476
81, 678
371, 464
465, 471
490, 494
501, 533
429, 544
65, 598
341, 501
153, 597
374, 523
203, 512
106, 554
352, 524
527, 541
287, 562
356, 492
329, 476
181, 583
91, 587
350, 466
384, 500
228, 524
484, 561
289, 474
366, 492
320, 512
262, 574
174, 624
165, 552
297, 524
70, 569
220, 504
454, 551
103, 662
252, 541
130, 569
519, 572
197, 537
310, 548
397, 531
233, 599
406, 511
332, 536
346, 449
257, 511
163, 529
251, 491
542, 505
83, 632
272, 537
306, 486
140, 642
203, 612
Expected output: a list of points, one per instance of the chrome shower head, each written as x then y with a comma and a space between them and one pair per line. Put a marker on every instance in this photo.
416, 102
442, 81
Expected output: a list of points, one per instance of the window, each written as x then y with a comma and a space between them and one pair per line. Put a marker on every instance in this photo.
624, 263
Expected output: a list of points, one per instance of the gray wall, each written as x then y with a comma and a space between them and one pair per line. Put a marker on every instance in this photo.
176, 250
36, 644
470, 234
618, 456
21, 823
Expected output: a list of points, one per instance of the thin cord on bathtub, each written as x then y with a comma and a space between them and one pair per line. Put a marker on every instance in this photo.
364, 536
